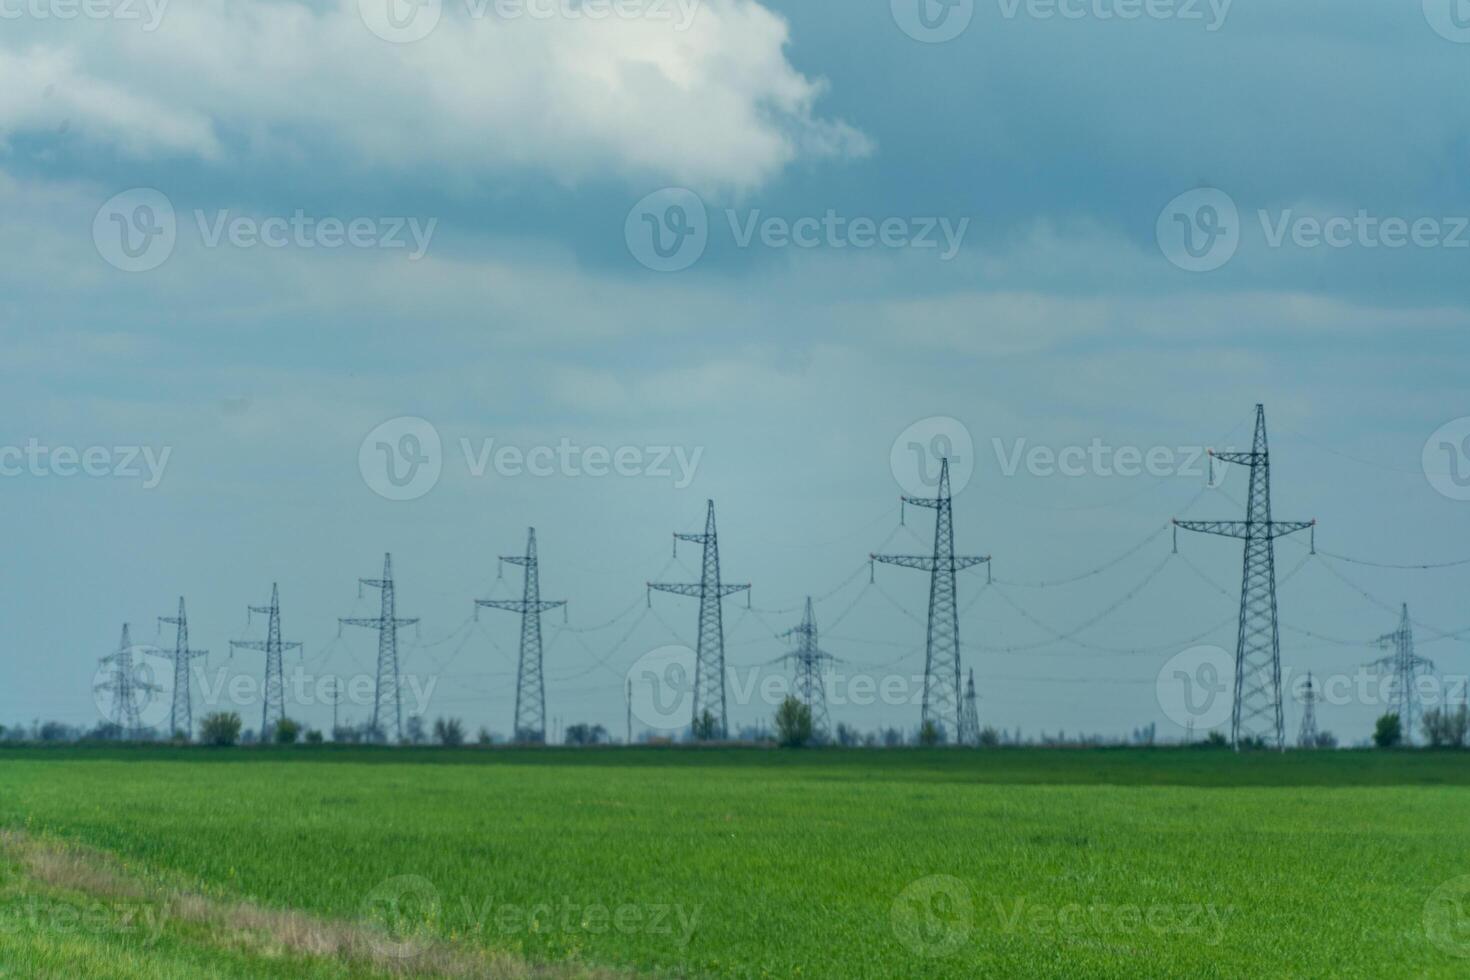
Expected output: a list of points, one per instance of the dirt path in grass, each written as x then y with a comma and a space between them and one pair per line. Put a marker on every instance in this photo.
365, 947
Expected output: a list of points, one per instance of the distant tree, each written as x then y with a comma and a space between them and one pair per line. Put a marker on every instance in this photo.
449, 732
705, 729
1388, 732
1325, 740
1446, 727
413, 731
347, 734
1214, 740
55, 731
585, 734
286, 732
314, 737
989, 737
220, 728
484, 737
846, 736
793, 724
931, 735
892, 737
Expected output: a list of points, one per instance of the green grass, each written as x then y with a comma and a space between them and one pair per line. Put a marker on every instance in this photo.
817, 864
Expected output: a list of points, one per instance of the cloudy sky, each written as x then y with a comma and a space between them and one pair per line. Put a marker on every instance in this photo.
285, 286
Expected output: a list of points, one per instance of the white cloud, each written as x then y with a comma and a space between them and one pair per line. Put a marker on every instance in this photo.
714, 105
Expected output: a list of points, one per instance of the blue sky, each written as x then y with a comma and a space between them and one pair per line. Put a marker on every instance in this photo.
523, 142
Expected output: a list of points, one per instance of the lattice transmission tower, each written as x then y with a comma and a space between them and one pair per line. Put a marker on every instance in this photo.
273, 708
811, 661
1307, 737
1405, 666
387, 701
710, 720
126, 687
181, 715
970, 715
942, 647
1256, 713
530, 722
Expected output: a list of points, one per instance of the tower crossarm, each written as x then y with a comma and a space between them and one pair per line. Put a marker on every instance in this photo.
375, 622
928, 563
696, 590
1243, 458
521, 605
1244, 529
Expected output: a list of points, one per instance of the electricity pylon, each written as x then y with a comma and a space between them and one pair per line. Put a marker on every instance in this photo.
970, 715
181, 715
811, 660
387, 703
942, 649
1256, 712
1406, 667
273, 710
710, 720
1307, 737
530, 725
125, 687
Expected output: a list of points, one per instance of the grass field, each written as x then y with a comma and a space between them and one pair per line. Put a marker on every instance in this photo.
733, 862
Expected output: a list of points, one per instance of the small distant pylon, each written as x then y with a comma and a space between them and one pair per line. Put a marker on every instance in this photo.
711, 721
810, 663
942, 649
1406, 666
530, 721
273, 710
387, 702
181, 715
1307, 738
970, 715
126, 687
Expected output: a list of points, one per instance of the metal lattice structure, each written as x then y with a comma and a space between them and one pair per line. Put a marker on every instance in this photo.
970, 715
1307, 737
181, 714
1405, 666
387, 701
1256, 713
811, 661
942, 647
126, 687
530, 721
710, 718
273, 707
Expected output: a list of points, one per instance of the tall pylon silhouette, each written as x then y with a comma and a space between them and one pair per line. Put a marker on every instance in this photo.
1307, 737
1256, 713
970, 715
126, 687
273, 706
387, 700
811, 660
1405, 666
181, 714
710, 720
942, 647
530, 722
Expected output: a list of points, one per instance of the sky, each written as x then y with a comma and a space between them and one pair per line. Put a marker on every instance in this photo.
305, 283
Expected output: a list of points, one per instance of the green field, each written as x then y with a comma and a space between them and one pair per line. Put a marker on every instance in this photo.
733, 862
